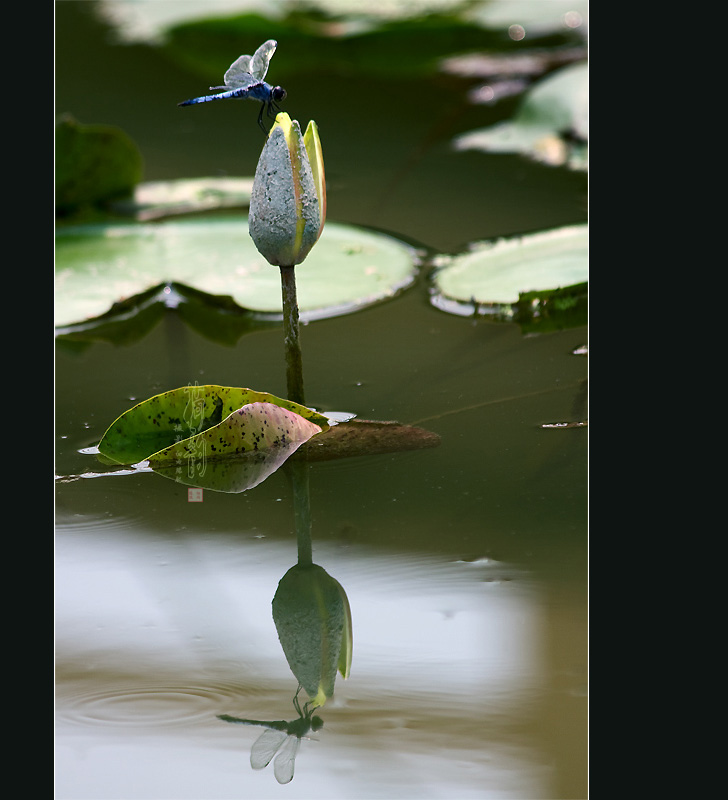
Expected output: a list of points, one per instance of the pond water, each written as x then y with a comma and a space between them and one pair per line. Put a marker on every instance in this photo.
465, 564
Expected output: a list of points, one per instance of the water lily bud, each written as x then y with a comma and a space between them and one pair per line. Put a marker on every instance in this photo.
288, 201
313, 619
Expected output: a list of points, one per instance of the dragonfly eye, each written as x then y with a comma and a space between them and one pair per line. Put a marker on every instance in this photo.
278, 93
316, 723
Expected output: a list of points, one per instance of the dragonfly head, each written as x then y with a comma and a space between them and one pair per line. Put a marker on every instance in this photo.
316, 723
278, 93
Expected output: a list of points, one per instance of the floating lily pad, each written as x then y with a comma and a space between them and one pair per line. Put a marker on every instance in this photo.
494, 276
98, 266
550, 125
158, 199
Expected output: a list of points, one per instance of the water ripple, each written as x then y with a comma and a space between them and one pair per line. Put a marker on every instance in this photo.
159, 706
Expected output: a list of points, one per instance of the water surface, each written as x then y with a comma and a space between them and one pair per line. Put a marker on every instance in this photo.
465, 564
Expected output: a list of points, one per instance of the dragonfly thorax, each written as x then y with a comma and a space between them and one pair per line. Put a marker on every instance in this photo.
301, 726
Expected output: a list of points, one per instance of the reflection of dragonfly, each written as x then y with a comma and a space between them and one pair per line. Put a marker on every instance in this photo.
281, 737
244, 78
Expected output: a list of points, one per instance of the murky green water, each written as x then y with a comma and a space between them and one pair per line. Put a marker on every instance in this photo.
465, 565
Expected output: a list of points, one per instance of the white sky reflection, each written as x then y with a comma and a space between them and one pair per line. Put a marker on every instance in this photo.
156, 637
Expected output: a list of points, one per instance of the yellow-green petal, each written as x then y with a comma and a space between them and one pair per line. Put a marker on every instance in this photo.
312, 142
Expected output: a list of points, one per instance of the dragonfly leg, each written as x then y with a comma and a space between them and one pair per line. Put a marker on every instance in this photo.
260, 118
273, 109
296, 702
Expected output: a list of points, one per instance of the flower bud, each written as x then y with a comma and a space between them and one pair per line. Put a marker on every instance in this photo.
288, 200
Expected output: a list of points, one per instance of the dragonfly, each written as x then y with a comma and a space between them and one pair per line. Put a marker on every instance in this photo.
245, 78
281, 737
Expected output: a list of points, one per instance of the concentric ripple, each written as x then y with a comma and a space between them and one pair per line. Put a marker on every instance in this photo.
163, 706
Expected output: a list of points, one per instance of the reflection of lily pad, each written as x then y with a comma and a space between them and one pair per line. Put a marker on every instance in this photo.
222, 322
496, 274
100, 265
550, 125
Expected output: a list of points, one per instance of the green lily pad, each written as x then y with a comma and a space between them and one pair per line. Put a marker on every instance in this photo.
495, 275
161, 427
550, 125
98, 266
159, 199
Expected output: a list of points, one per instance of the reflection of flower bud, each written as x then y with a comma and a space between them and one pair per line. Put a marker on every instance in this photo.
288, 201
313, 619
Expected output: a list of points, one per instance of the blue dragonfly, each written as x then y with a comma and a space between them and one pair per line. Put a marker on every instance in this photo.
245, 78
281, 737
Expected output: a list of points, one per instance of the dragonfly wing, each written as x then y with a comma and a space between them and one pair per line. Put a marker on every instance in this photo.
261, 59
286, 760
265, 747
238, 73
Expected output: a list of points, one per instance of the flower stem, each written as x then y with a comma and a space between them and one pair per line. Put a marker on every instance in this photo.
294, 363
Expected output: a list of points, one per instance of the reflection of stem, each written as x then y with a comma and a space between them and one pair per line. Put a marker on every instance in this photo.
302, 510
294, 364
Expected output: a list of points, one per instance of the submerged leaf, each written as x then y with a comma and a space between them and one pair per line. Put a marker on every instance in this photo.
166, 420
240, 452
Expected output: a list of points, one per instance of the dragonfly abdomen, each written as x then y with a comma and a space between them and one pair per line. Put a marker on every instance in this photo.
242, 92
